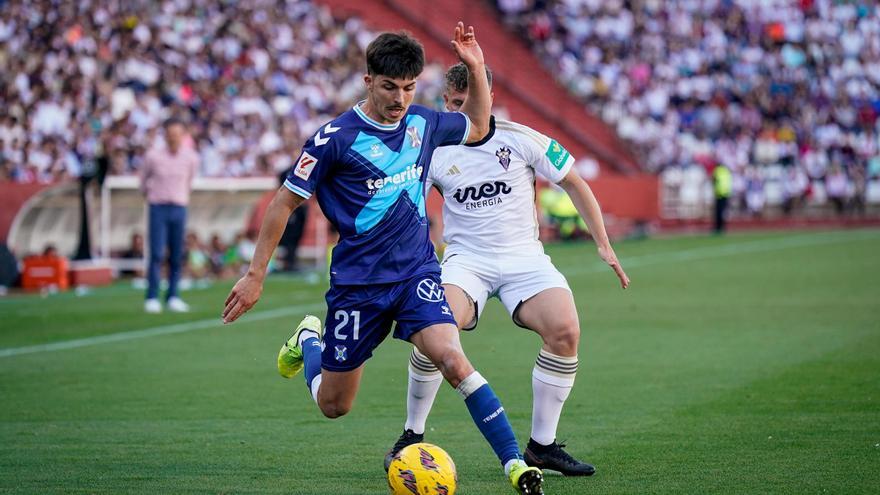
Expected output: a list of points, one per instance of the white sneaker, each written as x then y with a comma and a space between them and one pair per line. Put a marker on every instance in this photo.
176, 305
152, 306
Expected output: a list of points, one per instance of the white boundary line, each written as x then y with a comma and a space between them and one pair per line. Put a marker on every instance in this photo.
154, 331
699, 253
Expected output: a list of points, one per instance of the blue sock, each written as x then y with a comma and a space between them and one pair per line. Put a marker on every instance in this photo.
311, 348
489, 416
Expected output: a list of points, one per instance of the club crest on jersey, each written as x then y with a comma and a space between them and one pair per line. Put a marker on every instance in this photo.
503, 155
430, 291
414, 137
305, 165
341, 353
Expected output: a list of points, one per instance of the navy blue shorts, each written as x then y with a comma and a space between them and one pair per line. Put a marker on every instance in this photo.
359, 317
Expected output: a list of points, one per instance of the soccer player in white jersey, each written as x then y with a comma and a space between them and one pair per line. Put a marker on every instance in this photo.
491, 231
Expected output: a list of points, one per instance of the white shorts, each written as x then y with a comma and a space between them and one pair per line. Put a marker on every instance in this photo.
512, 279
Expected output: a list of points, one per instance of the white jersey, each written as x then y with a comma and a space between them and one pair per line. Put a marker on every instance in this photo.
488, 188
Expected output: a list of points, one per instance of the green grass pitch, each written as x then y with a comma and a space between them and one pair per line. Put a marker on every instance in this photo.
743, 364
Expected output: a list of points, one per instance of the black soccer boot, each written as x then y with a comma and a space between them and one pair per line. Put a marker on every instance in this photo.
406, 439
555, 458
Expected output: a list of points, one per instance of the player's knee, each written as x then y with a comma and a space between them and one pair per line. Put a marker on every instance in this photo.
564, 338
454, 366
334, 409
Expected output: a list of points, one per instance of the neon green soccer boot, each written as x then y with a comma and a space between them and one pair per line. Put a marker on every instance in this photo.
290, 357
526, 480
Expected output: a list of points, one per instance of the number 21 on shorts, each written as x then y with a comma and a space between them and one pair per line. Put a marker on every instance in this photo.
342, 320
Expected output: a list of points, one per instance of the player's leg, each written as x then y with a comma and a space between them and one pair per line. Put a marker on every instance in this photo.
332, 362
424, 377
460, 282
442, 346
423, 318
552, 314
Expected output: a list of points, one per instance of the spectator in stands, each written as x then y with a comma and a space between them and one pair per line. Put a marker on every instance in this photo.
772, 83
198, 263
255, 78
166, 179
836, 187
134, 252
217, 255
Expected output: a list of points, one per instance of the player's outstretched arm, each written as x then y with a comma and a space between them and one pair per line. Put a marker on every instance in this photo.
478, 105
248, 289
588, 207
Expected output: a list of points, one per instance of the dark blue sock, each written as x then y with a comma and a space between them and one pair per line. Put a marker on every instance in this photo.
311, 348
489, 415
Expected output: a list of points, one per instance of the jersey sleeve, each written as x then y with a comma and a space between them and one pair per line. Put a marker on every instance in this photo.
434, 169
451, 128
549, 158
315, 161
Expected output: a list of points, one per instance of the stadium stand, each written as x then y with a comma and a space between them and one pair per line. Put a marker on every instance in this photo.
785, 93
255, 77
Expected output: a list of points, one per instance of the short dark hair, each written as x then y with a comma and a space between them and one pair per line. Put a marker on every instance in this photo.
170, 121
395, 55
457, 77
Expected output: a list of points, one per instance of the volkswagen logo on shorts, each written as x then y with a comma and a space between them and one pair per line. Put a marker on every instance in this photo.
430, 291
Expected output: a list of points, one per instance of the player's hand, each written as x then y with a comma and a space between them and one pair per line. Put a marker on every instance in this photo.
466, 47
242, 297
608, 256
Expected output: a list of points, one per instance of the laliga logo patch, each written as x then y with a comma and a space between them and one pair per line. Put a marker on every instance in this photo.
341, 353
430, 291
409, 480
305, 165
427, 460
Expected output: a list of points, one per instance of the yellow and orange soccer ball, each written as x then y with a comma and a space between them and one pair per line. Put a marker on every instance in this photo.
422, 469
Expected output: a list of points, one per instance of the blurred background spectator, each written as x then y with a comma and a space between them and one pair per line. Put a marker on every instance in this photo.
753, 84
254, 79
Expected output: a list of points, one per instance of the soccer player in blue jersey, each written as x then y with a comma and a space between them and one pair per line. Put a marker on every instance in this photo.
368, 167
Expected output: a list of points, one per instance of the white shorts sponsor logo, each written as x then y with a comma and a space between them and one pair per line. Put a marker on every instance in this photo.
430, 291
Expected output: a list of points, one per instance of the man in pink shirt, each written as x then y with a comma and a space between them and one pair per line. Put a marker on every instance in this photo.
166, 179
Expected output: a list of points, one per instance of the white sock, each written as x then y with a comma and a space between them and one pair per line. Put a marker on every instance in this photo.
470, 384
509, 465
307, 334
316, 384
424, 382
552, 380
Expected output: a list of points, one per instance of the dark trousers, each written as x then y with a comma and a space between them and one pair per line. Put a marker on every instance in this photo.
167, 228
293, 235
720, 214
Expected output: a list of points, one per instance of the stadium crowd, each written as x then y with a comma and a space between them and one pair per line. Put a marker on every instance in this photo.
782, 88
254, 78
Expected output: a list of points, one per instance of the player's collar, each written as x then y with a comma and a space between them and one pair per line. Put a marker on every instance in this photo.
488, 135
383, 127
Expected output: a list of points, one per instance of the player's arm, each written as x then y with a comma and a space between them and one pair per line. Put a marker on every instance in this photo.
588, 208
478, 105
248, 289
